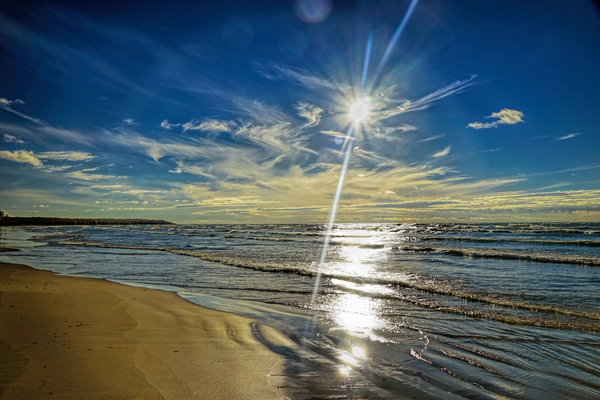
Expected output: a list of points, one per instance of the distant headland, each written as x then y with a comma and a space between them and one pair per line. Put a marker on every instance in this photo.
45, 221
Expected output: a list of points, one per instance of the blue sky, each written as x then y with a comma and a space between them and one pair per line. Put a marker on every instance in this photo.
205, 112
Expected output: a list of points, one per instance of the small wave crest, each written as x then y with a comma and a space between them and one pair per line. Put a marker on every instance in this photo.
583, 243
555, 258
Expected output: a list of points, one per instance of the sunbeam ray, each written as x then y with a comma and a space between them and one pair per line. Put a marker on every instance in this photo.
366, 64
333, 211
395, 38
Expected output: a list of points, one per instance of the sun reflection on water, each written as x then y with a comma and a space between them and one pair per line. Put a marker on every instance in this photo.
356, 315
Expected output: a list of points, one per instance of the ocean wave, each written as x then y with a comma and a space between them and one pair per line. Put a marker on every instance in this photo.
371, 246
272, 239
511, 228
553, 258
438, 287
584, 243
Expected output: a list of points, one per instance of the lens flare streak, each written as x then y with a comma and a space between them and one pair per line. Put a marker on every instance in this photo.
334, 208
349, 140
396, 36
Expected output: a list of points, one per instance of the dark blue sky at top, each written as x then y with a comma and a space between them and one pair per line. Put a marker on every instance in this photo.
100, 78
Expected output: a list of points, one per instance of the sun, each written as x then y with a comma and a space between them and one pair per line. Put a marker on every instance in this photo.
359, 110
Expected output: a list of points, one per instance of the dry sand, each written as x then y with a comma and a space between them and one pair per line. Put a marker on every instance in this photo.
79, 338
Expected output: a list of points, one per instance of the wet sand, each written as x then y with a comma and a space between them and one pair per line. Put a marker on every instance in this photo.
81, 338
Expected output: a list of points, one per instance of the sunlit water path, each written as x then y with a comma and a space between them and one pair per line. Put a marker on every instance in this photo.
465, 310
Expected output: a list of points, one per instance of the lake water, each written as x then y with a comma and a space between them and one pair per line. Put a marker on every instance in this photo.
400, 310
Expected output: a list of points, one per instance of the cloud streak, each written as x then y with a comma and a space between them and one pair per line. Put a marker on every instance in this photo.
213, 126
66, 156
405, 106
276, 71
442, 153
569, 136
84, 176
6, 105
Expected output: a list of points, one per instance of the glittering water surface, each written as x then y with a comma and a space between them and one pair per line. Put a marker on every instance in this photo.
465, 310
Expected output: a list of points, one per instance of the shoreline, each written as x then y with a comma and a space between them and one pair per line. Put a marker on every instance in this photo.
56, 221
81, 337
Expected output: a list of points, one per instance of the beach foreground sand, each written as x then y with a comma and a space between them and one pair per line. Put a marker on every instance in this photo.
80, 338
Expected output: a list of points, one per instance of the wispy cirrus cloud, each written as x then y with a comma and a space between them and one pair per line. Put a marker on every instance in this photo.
6, 105
270, 131
66, 155
569, 136
68, 135
431, 138
442, 153
29, 157
276, 71
84, 176
386, 132
405, 106
211, 125
12, 139
503, 117
311, 112
45, 133
166, 125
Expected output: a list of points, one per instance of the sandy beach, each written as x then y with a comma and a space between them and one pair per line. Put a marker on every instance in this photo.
81, 338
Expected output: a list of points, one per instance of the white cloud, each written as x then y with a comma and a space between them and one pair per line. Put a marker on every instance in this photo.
387, 131
506, 116
21, 156
165, 124
107, 187
66, 155
503, 117
56, 168
431, 138
12, 139
569, 136
442, 153
192, 169
87, 177
7, 103
311, 112
129, 121
211, 125
406, 128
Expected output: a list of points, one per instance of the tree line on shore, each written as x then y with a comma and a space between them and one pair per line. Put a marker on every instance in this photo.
20, 221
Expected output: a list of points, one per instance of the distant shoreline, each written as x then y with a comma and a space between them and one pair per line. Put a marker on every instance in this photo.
49, 221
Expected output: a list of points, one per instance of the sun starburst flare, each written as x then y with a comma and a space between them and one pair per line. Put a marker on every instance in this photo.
359, 111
